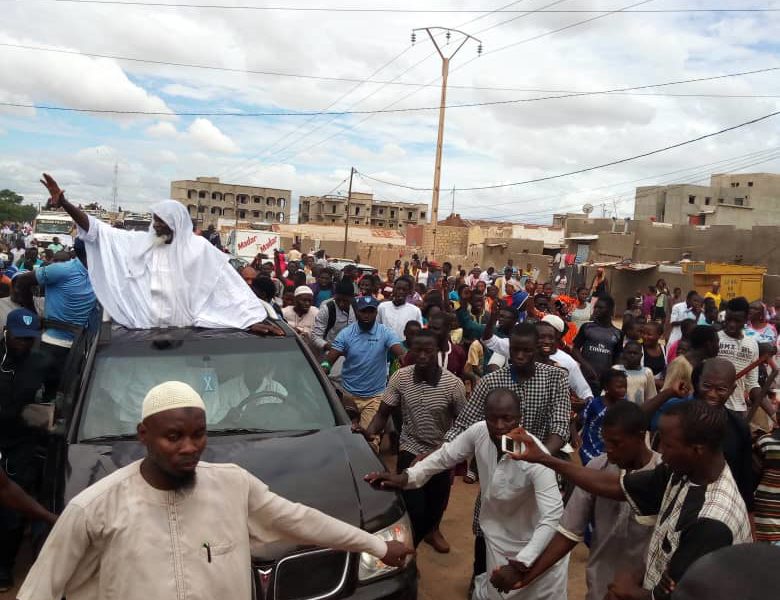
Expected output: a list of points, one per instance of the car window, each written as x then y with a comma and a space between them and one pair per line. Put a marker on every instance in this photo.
273, 391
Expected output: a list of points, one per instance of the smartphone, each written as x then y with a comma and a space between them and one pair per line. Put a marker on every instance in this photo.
509, 445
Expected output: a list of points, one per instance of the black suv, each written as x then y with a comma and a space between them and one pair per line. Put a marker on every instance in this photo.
270, 410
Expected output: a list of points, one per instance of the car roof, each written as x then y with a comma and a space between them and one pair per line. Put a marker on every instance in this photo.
121, 335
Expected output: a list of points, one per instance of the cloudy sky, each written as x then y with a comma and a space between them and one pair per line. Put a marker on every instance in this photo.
524, 58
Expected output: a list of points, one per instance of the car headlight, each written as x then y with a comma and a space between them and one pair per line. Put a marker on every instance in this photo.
370, 566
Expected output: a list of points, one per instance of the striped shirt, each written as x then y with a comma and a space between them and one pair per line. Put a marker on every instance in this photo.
767, 502
428, 411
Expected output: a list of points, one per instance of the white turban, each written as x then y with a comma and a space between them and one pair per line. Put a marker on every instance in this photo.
168, 396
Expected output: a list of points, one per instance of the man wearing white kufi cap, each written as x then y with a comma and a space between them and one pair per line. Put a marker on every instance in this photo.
301, 315
170, 527
164, 277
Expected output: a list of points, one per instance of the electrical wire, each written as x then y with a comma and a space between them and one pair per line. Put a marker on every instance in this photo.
596, 167
322, 9
774, 154
727, 163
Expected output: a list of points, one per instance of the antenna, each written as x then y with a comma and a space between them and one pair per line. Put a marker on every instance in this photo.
452, 209
114, 190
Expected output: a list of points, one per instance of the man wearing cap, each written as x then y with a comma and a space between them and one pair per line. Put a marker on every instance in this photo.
23, 373
164, 277
364, 346
170, 526
302, 315
334, 315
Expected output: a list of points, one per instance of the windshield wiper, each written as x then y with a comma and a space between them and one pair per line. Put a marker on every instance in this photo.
109, 438
238, 430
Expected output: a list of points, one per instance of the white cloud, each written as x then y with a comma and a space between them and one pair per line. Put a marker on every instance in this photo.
162, 129
483, 145
204, 133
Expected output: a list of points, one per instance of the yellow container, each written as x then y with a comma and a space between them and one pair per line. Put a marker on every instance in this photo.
735, 280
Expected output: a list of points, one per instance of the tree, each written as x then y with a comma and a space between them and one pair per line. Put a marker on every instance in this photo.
12, 209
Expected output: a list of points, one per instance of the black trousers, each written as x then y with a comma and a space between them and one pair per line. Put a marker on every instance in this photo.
425, 505
22, 466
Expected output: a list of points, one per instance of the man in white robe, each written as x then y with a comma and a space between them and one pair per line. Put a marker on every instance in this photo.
521, 504
169, 527
165, 277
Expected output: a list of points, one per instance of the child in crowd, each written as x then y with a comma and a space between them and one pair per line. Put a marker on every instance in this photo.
632, 329
652, 352
641, 381
686, 326
613, 385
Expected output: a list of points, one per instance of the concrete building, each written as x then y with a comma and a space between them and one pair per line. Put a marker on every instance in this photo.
742, 200
363, 211
208, 200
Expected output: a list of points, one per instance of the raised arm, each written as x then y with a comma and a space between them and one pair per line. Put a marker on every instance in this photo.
599, 483
57, 198
15, 498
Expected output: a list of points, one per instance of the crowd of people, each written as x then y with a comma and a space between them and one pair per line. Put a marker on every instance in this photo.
655, 443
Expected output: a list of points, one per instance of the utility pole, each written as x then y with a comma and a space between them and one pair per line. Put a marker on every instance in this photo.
445, 71
114, 189
346, 216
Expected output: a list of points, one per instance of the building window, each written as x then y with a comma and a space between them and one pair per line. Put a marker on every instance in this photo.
280, 217
422, 215
750, 184
216, 196
334, 209
333, 220
392, 214
707, 201
739, 202
381, 211
691, 199
256, 214
270, 201
269, 215
357, 210
257, 199
201, 209
242, 214
191, 194
410, 215
280, 202
201, 194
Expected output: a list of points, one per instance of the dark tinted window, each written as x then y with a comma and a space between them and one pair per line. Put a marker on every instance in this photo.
245, 384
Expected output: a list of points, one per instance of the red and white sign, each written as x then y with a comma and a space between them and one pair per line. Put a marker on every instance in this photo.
250, 243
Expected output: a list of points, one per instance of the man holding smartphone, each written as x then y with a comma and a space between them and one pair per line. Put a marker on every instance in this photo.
521, 504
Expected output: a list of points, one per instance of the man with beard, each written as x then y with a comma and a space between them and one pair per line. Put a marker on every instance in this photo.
165, 277
301, 315
171, 526
364, 346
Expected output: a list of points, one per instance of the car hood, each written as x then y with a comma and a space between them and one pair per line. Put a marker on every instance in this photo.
323, 470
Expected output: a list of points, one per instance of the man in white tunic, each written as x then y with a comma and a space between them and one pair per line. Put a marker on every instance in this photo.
521, 504
169, 527
165, 277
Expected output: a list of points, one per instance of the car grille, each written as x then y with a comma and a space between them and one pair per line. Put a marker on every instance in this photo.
313, 575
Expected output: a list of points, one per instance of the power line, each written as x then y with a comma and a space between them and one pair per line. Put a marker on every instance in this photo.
773, 154
695, 173
402, 98
385, 82
383, 10
374, 92
594, 168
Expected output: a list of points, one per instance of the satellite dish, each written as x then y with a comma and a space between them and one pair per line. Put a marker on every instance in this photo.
587, 208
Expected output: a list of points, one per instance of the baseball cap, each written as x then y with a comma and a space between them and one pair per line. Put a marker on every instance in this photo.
555, 321
365, 302
23, 323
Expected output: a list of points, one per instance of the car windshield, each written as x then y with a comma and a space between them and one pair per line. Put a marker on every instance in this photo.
53, 226
269, 386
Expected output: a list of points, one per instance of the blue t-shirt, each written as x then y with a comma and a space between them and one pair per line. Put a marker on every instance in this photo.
69, 295
322, 295
592, 418
365, 358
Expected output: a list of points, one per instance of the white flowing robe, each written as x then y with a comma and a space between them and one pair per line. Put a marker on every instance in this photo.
143, 284
521, 507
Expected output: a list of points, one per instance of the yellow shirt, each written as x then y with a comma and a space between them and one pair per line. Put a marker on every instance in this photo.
716, 297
